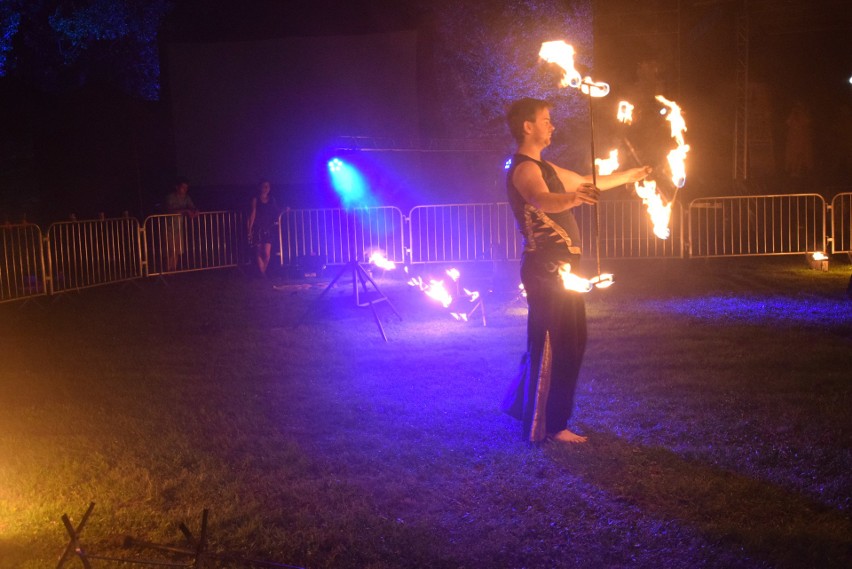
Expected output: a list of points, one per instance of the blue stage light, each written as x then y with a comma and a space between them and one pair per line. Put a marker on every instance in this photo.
349, 184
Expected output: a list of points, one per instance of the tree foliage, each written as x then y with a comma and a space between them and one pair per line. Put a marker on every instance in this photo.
487, 52
58, 44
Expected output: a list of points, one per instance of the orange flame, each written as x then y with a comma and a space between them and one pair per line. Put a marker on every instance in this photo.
573, 282
677, 157
660, 213
434, 290
437, 291
609, 165
562, 54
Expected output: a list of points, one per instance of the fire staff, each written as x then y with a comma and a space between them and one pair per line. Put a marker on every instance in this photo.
542, 196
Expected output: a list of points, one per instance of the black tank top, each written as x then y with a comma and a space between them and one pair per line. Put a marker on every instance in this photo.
554, 234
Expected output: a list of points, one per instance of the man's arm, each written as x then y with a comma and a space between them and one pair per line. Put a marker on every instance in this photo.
530, 183
572, 179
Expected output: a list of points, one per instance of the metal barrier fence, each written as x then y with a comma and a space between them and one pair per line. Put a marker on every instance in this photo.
841, 223
338, 236
463, 232
83, 254
80, 254
626, 231
22, 264
757, 225
178, 243
475, 232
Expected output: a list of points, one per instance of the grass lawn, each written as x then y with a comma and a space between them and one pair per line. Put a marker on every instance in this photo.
715, 394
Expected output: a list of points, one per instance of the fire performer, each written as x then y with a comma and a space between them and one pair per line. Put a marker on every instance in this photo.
542, 196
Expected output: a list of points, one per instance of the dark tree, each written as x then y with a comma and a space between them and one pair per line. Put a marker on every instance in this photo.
65, 44
486, 55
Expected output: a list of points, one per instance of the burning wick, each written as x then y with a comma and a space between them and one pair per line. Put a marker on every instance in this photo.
604, 280
625, 112
594, 88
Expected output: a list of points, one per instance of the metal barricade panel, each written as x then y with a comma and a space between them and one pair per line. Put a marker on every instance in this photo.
176, 243
626, 231
83, 254
22, 267
757, 225
841, 223
339, 236
471, 232
463, 232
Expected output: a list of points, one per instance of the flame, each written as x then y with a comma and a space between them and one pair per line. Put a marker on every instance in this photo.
625, 112
819, 256
573, 282
378, 258
660, 213
677, 157
609, 165
434, 290
437, 291
562, 54
675, 118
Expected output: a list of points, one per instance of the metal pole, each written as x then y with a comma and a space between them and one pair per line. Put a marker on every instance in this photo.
597, 213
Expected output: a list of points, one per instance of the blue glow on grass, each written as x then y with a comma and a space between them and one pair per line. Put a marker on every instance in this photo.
761, 309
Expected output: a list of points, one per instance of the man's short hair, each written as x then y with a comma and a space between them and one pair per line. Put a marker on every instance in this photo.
521, 111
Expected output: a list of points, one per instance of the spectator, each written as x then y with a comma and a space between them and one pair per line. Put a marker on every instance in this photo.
262, 222
180, 205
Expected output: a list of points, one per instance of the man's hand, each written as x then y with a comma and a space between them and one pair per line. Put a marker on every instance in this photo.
636, 174
586, 194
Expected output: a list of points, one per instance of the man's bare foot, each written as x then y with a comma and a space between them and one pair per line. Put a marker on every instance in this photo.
566, 436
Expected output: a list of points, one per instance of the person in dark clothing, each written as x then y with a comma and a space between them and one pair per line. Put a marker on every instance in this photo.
180, 204
262, 225
542, 196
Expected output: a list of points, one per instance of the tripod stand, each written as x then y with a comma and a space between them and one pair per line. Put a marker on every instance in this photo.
358, 273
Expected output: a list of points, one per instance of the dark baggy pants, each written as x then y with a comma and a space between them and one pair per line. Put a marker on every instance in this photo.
542, 395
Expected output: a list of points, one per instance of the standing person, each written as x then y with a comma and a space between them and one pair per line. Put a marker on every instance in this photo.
542, 196
179, 204
261, 225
